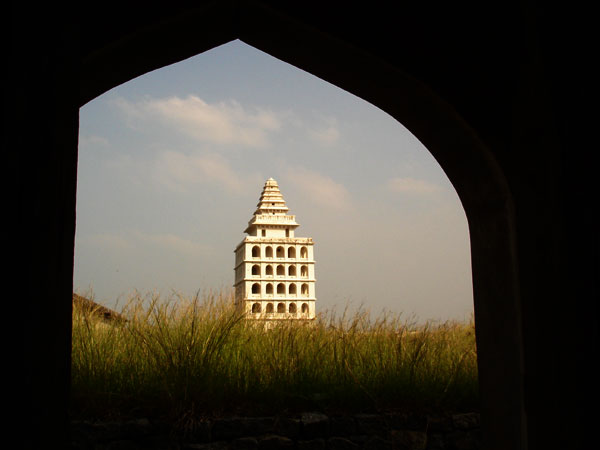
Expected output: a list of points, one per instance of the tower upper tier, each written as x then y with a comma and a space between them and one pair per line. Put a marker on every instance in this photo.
271, 211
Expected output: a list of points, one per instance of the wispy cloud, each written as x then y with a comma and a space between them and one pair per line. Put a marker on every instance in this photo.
93, 141
327, 135
409, 185
172, 243
128, 240
178, 171
105, 240
181, 172
223, 123
320, 189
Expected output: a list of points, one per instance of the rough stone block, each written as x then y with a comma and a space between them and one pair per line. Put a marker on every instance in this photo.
372, 424
314, 425
403, 421
439, 424
313, 444
436, 441
287, 427
377, 443
227, 429
408, 440
339, 443
465, 421
342, 426
274, 442
464, 440
245, 443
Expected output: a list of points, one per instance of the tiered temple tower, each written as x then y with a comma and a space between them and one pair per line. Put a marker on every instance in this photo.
274, 270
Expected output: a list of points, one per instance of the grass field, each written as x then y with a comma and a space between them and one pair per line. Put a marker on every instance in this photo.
197, 356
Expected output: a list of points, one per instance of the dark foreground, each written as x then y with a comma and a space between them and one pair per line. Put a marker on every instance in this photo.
305, 431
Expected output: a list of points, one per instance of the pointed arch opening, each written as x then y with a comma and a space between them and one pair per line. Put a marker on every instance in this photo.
480, 183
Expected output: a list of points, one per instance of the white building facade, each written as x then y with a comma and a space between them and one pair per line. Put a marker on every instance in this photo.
274, 269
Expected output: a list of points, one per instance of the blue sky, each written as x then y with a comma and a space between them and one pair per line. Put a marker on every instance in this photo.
171, 166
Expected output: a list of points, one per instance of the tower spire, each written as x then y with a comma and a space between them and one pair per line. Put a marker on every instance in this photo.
271, 212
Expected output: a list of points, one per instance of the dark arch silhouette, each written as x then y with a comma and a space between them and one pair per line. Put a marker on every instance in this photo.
494, 108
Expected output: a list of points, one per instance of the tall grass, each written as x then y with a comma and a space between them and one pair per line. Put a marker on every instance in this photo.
199, 356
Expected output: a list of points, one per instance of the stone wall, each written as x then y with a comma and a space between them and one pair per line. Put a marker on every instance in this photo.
307, 431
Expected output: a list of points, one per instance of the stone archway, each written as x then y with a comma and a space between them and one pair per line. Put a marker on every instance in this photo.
465, 107
480, 184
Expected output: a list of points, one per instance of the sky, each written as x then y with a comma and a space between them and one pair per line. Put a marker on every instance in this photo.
172, 164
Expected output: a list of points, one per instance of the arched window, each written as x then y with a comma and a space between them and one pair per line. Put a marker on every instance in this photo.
281, 307
255, 269
256, 288
304, 271
292, 289
270, 288
281, 288
269, 270
270, 308
303, 253
292, 309
305, 289
280, 270
304, 308
291, 252
255, 308
292, 271
256, 251
269, 252
280, 252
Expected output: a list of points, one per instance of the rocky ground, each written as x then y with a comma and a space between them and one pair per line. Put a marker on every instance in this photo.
306, 431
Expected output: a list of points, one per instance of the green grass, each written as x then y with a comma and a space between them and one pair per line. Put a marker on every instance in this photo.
199, 357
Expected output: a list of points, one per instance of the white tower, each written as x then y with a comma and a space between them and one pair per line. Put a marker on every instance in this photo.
274, 270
